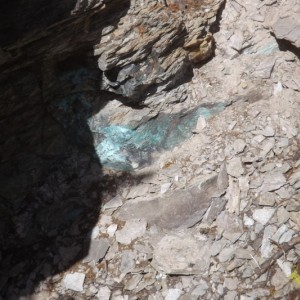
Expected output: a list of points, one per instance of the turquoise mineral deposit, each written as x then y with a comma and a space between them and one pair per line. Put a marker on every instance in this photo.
125, 148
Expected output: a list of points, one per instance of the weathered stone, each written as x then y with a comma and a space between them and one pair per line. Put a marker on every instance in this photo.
127, 261
97, 250
133, 229
278, 234
201, 124
231, 226
173, 294
258, 293
285, 266
279, 279
287, 27
287, 236
248, 221
74, 281
217, 246
178, 208
282, 215
266, 245
216, 207
268, 131
233, 205
230, 295
231, 283
226, 254
175, 254
239, 145
111, 229
235, 167
263, 215
267, 199
264, 68
104, 293
272, 181
200, 290
113, 203
141, 58
133, 282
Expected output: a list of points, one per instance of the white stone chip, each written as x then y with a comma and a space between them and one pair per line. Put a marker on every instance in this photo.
111, 229
263, 215
74, 281
104, 293
268, 131
95, 232
266, 245
248, 221
165, 187
201, 124
285, 266
173, 294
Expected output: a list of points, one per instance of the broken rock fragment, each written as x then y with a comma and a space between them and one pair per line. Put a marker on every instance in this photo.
263, 215
97, 250
133, 229
74, 281
181, 254
235, 167
179, 208
230, 225
272, 181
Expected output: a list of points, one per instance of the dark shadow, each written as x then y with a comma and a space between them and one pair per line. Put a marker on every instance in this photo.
285, 45
216, 26
51, 180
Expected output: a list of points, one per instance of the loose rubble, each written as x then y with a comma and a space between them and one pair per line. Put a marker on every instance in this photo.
217, 215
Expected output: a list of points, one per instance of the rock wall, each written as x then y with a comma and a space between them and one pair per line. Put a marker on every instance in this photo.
60, 64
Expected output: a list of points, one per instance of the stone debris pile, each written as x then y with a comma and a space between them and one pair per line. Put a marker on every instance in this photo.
218, 215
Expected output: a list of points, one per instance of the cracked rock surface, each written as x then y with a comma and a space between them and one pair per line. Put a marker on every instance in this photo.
192, 192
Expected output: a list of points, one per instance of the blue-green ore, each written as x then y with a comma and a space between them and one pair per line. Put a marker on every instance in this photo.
125, 148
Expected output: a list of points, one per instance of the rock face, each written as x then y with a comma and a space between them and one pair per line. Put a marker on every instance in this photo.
155, 46
60, 64
51, 76
132, 166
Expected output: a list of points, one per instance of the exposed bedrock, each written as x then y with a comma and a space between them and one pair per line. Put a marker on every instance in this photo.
60, 63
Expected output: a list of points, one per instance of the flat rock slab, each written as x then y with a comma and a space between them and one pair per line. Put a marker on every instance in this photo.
272, 181
179, 208
178, 254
